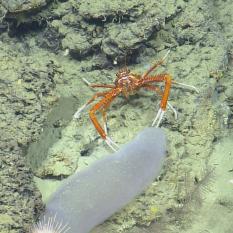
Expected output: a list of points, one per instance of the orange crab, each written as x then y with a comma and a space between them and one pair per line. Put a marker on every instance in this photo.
127, 83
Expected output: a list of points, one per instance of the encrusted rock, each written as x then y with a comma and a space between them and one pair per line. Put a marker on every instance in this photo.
16, 6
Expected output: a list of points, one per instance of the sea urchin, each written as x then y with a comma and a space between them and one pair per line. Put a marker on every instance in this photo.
50, 225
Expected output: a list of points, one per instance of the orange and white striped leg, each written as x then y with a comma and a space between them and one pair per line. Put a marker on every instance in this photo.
78, 112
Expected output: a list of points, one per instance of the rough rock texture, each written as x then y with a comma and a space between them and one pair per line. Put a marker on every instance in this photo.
111, 28
17, 16
16, 6
78, 40
26, 92
20, 200
63, 156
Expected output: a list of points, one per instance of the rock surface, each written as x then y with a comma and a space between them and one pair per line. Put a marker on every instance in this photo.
16, 6
26, 92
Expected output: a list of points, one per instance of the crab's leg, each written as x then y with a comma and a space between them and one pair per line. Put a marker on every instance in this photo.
173, 109
158, 63
153, 88
78, 112
186, 85
163, 104
158, 90
108, 140
111, 144
104, 114
102, 105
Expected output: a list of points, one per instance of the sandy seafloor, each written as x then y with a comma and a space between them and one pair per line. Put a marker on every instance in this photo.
48, 47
